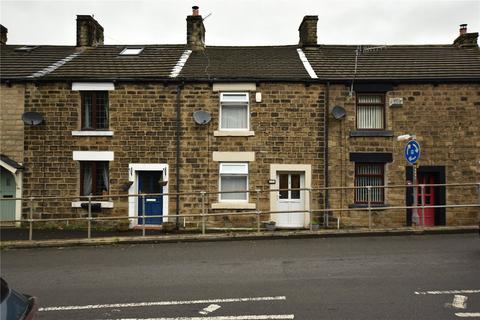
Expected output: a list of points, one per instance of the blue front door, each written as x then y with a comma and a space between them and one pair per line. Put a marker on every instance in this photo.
150, 182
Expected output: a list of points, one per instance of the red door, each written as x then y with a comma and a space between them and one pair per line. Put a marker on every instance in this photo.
428, 196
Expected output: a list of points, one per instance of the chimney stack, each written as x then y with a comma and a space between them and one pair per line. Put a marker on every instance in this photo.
89, 32
195, 31
308, 31
465, 39
3, 34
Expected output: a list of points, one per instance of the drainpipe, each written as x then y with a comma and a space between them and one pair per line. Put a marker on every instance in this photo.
177, 164
325, 123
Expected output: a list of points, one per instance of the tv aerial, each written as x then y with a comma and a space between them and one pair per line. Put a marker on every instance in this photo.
201, 117
32, 118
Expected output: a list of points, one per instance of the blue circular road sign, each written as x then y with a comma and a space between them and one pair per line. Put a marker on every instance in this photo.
412, 151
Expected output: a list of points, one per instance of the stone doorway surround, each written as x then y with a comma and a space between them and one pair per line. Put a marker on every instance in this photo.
306, 169
133, 178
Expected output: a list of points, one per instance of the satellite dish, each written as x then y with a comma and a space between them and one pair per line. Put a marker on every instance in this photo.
338, 112
32, 118
202, 117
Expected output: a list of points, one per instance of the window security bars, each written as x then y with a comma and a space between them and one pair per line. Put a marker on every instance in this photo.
369, 174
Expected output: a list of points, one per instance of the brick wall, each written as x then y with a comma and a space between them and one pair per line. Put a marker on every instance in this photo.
445, 119
11, 124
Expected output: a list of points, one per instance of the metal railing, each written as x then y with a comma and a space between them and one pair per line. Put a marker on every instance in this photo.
313, 213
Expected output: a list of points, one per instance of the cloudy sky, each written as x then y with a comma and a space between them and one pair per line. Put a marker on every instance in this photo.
243, 22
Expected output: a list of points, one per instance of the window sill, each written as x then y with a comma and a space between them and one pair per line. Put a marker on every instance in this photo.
371, 133
365, 206
92, 133
223, 133
233, 205
103, 204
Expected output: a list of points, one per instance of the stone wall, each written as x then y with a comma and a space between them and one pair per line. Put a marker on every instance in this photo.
288, 127
11, 124
445, 120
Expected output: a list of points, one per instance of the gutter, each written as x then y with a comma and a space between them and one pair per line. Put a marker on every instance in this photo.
325, 159
177, 162
167, 81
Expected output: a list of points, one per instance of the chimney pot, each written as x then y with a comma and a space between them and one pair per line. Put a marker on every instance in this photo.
465, 39
195, 11
89, 31
3, 34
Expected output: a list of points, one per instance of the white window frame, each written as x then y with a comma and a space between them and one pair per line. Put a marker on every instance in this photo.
245, 100
223, 172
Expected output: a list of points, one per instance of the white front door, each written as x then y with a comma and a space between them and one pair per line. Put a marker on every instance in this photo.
290, 200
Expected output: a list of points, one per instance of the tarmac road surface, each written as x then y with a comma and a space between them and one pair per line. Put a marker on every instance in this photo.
401, 277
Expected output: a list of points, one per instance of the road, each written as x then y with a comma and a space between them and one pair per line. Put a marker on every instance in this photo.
402, 277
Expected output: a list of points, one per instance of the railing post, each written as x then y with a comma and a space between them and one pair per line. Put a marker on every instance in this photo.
203, 193
422, 190
89, 221
30, 231
257, 206
310, 208
143, 215
369, 197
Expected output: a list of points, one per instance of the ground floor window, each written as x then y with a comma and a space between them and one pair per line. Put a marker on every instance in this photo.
94, 177
233, 177
369, 174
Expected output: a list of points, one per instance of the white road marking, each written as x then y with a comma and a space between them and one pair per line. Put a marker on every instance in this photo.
468, 314
449, 291
161, 303
459, 302
248, 317
210, 309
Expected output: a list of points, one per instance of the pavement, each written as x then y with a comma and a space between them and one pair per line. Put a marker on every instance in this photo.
18, 237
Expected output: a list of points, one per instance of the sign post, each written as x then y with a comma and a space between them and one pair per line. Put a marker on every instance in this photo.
412, 154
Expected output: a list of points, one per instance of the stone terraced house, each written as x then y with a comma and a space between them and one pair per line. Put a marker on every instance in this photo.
118, 120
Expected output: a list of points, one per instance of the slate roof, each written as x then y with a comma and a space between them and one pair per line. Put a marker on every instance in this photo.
253, 62
104, 62
330, 62
396, 62
14, 164
19, 64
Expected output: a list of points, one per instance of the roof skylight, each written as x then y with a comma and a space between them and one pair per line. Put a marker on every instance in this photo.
26, 48
131, 51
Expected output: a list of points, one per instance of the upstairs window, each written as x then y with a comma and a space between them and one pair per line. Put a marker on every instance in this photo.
94, 178
369, 174
233, 177
234, 111
370, 111
94, 110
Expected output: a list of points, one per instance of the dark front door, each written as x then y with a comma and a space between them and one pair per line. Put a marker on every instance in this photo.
428, 196
150, 183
